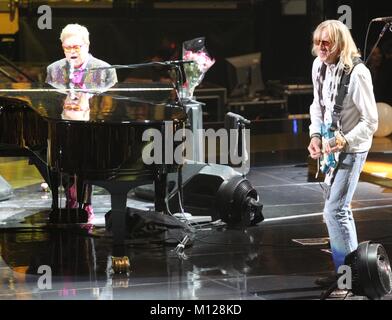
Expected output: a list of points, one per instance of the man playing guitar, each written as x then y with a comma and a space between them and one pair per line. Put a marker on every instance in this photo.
344, 110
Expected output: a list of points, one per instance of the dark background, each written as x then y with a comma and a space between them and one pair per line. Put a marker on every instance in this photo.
136, 31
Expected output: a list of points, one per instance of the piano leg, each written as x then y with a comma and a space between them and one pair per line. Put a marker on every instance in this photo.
41, 165
119, 214
51, 177
54, 187
119, 217
118, 194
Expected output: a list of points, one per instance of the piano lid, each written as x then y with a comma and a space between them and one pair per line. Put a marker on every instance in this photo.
123, 103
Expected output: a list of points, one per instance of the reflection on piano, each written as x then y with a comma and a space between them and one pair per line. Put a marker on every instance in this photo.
104, 149
76, 106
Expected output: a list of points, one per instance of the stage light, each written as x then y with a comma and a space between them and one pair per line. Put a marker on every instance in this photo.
371, 270
238, 203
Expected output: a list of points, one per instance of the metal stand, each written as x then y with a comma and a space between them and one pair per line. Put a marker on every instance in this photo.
387, 26
195, 124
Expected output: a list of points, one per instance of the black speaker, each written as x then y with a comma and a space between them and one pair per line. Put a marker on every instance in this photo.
371, 270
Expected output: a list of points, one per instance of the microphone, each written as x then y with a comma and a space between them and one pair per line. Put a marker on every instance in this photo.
382, 19
71, 69
180, 62
238, 117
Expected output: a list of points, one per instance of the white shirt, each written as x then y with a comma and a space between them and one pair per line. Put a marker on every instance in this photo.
359, 118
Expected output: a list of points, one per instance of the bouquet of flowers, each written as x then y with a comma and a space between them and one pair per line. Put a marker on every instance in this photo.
194, 50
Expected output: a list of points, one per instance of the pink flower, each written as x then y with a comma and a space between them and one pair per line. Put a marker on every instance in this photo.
201, 58
195, 71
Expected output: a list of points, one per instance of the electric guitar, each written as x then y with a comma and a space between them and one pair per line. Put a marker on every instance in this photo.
329, 162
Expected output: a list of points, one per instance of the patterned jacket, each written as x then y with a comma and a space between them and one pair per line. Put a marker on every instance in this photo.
58, 74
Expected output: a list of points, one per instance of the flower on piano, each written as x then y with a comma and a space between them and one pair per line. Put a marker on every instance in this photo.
195, 70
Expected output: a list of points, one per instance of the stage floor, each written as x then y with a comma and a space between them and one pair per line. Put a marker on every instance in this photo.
263, 262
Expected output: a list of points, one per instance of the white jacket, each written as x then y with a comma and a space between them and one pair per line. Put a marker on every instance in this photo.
359, 118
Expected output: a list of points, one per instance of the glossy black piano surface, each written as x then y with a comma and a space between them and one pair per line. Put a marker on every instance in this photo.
96, 136
123, 103
101, 140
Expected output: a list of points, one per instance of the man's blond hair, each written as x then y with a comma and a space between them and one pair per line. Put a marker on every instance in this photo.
341, 40
75, 29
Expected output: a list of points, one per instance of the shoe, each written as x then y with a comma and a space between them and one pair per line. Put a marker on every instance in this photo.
326, 282
339, 293
90, 212
88, 227
335, 294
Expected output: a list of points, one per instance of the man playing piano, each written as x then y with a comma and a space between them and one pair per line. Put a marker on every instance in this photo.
70, 72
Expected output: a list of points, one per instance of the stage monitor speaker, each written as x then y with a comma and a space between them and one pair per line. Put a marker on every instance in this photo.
371, 270
5, 189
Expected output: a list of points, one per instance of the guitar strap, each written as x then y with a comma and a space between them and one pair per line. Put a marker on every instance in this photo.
342, 92
320, 81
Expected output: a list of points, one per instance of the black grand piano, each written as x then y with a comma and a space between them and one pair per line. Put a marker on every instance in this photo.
100, 142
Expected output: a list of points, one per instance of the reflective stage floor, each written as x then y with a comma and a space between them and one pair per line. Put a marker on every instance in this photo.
268, 261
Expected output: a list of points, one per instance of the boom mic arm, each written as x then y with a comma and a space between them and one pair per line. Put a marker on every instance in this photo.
382, 19
172, 63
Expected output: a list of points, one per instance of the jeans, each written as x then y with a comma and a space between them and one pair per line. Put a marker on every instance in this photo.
337, 209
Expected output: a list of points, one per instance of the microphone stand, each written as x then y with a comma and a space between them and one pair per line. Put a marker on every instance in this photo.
387, 25
179, 81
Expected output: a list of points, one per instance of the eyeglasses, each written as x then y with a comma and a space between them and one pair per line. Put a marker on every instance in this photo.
73, 107
324, 43
76, 48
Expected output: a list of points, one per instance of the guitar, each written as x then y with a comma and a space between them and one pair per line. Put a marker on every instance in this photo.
329, 162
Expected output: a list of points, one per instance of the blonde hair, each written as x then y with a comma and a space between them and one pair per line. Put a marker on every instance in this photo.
341, 40
75, 29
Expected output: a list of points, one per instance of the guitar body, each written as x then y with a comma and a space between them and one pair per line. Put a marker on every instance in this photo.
328, 162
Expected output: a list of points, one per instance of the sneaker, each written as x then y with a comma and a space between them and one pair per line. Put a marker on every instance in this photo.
326, 282
339, 293
90, 212
87, 227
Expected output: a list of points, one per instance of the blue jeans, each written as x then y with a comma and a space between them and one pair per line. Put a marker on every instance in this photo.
337, 209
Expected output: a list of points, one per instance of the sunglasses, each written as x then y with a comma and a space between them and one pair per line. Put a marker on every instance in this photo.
75, 48
323, 43
73, 107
